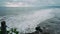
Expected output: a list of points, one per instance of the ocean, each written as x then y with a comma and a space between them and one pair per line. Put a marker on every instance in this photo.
23, 18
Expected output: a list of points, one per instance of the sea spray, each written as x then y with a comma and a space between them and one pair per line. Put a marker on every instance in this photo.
25, 21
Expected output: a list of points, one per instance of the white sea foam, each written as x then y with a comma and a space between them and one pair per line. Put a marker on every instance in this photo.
31, 20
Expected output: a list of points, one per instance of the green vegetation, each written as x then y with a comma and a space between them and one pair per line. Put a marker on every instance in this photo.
11, 31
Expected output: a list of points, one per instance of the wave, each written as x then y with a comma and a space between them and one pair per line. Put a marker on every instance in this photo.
29, 20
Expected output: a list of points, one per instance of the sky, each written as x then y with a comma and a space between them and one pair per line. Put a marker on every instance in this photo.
29, 3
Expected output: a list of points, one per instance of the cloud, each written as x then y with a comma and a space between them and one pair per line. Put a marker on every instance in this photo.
30, 3
17, 4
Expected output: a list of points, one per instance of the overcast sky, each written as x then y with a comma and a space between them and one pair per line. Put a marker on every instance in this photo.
29, 3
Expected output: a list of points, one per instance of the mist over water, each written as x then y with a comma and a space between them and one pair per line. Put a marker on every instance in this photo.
27, 18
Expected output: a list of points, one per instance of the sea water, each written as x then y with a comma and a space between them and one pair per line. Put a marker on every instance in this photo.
25, 19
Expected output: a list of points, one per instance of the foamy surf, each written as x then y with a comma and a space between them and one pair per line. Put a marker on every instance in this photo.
31, 20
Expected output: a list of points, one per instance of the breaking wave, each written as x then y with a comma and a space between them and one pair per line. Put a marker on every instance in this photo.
30, 20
